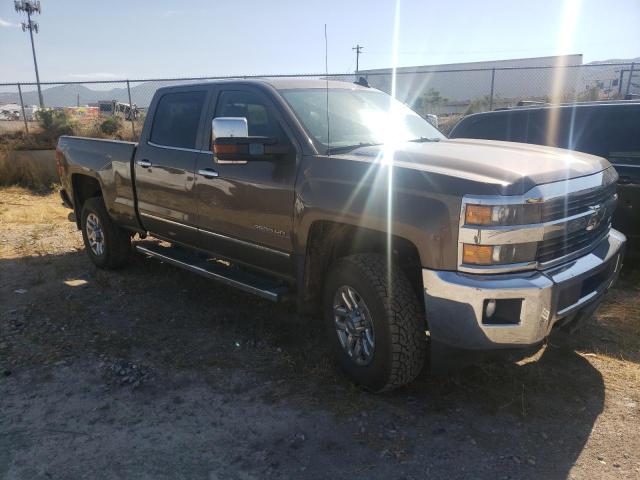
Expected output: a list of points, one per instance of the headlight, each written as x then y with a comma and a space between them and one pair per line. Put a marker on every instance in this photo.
520, 214
498, 254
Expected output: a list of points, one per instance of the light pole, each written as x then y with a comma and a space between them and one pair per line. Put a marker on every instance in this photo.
358, 50
31, 7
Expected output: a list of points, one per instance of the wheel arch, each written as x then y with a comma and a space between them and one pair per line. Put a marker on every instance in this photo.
84, 187
329, 240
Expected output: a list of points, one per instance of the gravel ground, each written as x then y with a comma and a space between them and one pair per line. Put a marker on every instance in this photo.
152, 373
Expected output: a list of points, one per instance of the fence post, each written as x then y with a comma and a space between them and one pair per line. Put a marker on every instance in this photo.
620, 81
24, 116
493, 79
133, 128
629, 81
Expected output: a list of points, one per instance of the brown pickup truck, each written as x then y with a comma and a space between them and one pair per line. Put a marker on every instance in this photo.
344, 199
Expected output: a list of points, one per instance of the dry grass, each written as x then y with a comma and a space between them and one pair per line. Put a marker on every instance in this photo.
26, 172
10, 126
35, 175
124, 132
34, 224
17, 207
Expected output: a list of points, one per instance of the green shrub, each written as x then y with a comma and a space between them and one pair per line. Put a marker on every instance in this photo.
54, 123
110, 126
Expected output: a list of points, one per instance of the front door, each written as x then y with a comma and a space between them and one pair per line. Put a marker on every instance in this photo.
245, 213
165, 166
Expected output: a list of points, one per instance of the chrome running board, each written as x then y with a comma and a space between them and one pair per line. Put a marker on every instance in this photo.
262, 286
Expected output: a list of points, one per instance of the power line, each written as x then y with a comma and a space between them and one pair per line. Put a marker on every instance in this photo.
31, 7
358, 50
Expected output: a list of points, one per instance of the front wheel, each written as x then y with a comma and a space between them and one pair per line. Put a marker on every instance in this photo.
107, 245
375, 323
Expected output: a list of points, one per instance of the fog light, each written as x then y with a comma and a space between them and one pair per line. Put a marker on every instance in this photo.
504, 311
490, 308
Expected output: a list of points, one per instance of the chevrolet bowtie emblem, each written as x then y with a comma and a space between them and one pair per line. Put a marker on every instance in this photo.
595, 218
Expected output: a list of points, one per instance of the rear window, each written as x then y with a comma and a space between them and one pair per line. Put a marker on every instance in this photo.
510, 127
176, 120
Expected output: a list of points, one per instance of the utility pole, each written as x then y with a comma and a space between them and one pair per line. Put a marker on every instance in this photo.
31, 7
358, 50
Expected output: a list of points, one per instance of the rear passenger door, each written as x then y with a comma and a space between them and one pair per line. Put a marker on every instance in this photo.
165, 165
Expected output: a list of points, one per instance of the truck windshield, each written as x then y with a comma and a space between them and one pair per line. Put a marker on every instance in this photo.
357, 117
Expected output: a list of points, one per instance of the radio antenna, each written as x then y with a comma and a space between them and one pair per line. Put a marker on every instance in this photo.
326, 78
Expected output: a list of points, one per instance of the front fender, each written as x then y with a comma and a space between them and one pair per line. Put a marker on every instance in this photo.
387, 199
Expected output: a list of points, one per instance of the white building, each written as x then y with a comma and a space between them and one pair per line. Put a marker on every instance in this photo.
13, 111
462, 83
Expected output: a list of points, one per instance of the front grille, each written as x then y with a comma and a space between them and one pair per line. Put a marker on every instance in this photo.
576, 203
559, 247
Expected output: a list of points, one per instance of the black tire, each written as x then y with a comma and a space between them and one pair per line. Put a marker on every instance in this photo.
117, 242
398, 322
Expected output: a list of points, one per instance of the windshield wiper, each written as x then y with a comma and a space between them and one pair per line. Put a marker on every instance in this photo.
348, 148
424, 140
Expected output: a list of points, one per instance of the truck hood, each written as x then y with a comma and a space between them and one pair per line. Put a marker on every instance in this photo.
512, 168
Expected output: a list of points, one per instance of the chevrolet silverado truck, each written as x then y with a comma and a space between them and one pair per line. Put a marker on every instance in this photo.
342, 198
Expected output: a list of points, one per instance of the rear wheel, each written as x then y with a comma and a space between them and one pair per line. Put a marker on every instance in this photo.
107, 245
377, 330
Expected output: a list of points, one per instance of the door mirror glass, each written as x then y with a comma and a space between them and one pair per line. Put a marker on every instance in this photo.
226, 127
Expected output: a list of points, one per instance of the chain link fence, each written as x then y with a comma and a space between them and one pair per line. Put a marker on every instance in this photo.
116, 109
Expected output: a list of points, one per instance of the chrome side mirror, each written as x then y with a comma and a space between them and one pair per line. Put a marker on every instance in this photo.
225, 127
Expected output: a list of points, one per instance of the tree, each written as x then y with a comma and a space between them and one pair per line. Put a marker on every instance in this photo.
479, 104
429, 101
589, 94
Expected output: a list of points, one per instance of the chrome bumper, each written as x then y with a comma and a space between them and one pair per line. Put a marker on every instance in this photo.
456, 302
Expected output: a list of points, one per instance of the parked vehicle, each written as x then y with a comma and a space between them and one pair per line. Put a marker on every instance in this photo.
607, 129
402, 239
113, 108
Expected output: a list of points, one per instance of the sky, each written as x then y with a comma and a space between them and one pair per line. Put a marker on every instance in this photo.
115, 39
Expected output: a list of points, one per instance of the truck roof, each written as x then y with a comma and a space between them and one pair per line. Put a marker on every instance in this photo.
543, 106
280, 83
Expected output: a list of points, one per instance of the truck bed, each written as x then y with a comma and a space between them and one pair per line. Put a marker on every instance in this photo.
110, 163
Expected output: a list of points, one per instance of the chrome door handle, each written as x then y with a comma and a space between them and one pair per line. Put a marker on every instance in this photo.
144, 163
208, 172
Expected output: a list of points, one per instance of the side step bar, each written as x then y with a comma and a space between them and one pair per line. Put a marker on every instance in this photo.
258, 285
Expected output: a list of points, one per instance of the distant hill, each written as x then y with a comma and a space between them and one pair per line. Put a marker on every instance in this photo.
616, 60
67, 95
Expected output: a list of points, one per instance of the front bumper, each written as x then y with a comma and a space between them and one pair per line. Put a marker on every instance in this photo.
531, 302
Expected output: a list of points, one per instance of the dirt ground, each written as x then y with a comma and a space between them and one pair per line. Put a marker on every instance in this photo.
154, 373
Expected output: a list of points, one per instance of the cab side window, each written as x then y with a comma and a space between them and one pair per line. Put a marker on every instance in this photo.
249, 105
176, 119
